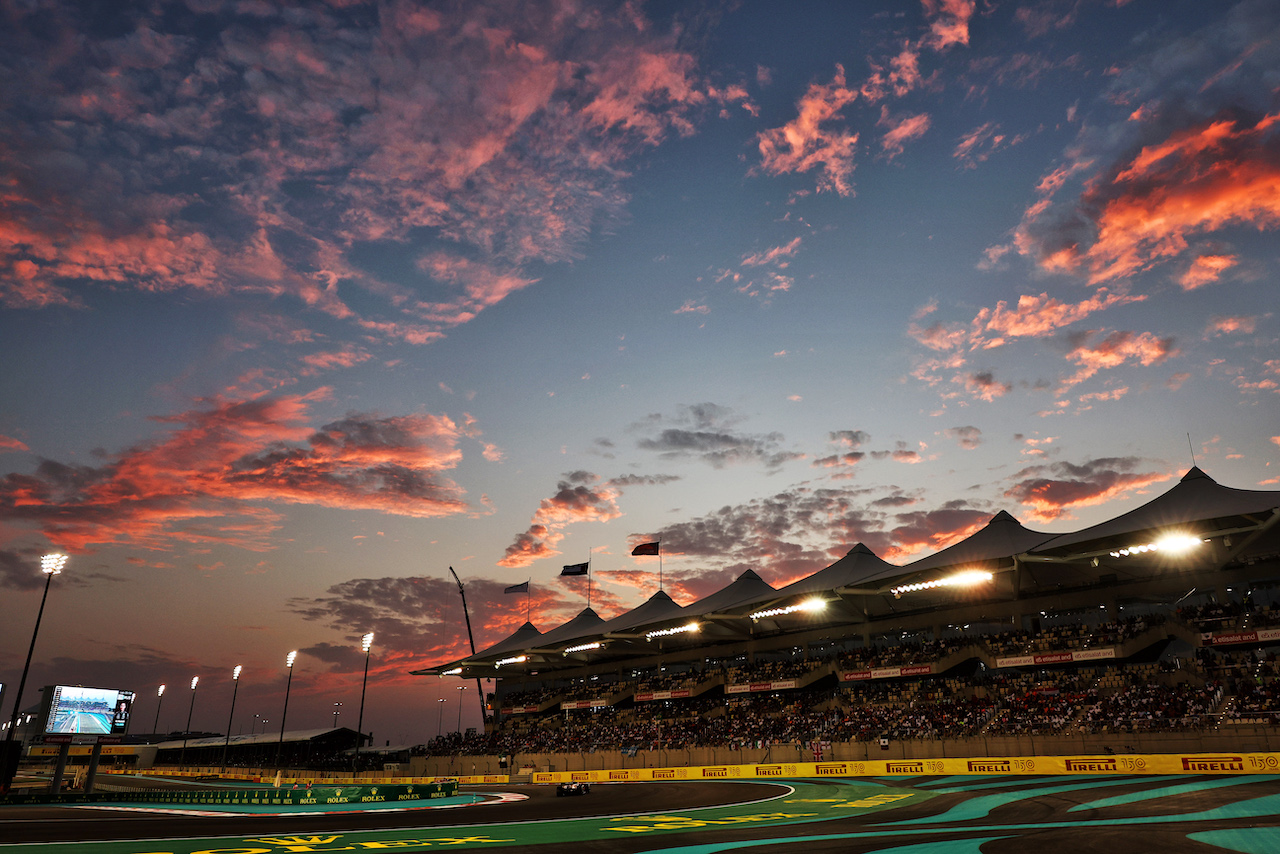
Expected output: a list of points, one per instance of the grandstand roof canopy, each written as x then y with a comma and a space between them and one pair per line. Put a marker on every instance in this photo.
1233, 525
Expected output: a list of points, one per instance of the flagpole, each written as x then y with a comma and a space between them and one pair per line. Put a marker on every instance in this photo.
527, 593
589, 551
659, 564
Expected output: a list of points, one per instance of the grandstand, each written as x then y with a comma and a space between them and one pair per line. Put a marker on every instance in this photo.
1154, 631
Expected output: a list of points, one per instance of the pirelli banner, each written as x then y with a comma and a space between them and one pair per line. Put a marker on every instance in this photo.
1172, 763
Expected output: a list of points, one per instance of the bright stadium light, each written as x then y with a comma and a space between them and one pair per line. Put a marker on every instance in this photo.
811, 605
454, 672
50, 565
586, 647
1174, 544
678, 630
964, 578
516, 659
366, 643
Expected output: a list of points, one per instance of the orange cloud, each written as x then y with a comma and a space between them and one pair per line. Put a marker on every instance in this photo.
1230, 325
1205, 270
984, 386
8, 443
1052, 491
577, 499
803, 145
1116, 349
1037, 316
1216, 174
214, 478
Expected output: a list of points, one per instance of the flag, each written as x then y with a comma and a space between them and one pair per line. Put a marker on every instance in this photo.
575, 569
522, 587
645, 549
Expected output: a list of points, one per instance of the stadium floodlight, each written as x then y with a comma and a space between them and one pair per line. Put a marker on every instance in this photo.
515, 659
1174, 544
50, 565
677, 630
288, 663
454, 672
585, 647
964, 578
235, 681
366, 644
186, 733
811, 605
155, 727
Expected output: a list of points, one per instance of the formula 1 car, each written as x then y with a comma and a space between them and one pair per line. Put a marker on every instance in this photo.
572, 789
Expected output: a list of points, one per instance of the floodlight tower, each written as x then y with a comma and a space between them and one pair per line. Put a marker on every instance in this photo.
195, 680
155, 727
50, 565
235, 679
366, 644
288, 662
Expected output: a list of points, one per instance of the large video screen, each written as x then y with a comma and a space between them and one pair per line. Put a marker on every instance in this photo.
89, 711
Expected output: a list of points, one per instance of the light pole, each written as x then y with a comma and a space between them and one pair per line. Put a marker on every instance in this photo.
50, 565
195, 680
235, 679
366, 644
288, 662
440, 718
337, 710
155, 727
460, 688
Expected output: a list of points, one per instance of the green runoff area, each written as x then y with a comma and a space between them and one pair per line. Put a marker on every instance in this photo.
808, 801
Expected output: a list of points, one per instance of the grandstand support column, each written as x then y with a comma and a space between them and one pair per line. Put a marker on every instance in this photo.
1017, 578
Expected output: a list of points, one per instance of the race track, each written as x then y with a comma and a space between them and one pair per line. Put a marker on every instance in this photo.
912, 815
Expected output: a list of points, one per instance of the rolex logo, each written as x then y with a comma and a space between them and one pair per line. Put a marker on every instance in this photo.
296, 840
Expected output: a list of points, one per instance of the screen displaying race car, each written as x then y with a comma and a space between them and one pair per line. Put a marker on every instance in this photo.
572, 789
92, 711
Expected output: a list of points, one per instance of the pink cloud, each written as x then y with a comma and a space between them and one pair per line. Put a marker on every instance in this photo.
578, 498
1053, 491
1198, 180
214, 477
1038, 316
803, 144
8, 443
777, 255
1205, 270
901, 130
948, 22
1116, 349
1230, 325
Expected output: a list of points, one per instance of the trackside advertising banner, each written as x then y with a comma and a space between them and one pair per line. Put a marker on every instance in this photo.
1260, 635
886, 672
1171, 763
1064, 657
583, 704
776, 685
677, 694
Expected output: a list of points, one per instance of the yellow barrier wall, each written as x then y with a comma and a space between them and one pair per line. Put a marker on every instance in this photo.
1191, 763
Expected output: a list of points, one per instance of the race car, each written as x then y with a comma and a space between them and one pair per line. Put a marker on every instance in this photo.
572, 789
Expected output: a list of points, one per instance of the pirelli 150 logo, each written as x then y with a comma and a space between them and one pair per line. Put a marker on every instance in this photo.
904, 767
990, 766
1092, 765
1212, 763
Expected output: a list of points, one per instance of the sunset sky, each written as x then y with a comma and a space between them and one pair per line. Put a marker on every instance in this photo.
301, 305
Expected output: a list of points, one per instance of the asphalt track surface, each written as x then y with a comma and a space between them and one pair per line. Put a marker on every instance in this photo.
1196, 814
